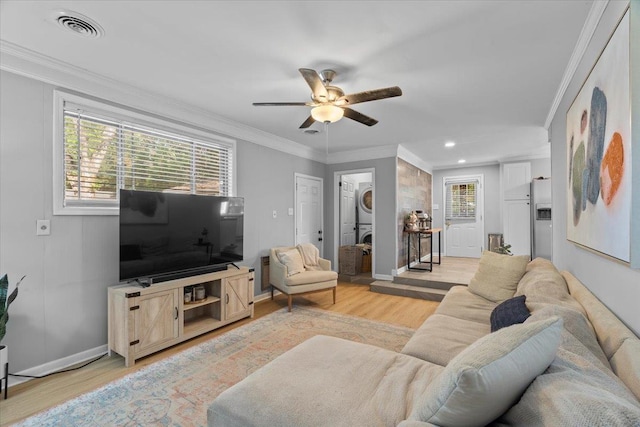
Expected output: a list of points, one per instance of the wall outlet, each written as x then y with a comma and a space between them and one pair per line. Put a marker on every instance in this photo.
275, 213
436, 207
290, 211
43, 227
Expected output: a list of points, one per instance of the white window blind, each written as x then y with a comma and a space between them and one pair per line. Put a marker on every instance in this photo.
461, 201
103, 154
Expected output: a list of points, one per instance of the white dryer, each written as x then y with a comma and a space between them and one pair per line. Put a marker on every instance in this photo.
365, 234
365, 203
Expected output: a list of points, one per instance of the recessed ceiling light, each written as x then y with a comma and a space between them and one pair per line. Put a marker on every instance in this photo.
461, 161
449, 144
77, 23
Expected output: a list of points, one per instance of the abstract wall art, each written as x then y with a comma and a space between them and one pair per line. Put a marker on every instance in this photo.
599, 153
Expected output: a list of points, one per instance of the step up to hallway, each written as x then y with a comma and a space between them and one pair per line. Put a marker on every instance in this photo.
412, 291
432, 285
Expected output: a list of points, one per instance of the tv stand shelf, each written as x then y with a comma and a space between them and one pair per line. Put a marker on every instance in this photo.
142, 321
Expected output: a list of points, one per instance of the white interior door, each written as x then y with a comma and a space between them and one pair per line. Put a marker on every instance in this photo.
463, 216
308, 215
347, 211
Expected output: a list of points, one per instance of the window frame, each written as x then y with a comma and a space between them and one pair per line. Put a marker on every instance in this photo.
449, 199
125, 114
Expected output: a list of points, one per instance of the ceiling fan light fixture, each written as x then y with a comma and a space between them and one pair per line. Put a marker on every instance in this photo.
327, 113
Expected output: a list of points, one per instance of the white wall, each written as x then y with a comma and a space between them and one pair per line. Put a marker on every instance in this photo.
384, 233
614, 283
492, 202
61, 309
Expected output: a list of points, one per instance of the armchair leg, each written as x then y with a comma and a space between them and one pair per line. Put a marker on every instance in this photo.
334, 294
271, 292
290, 302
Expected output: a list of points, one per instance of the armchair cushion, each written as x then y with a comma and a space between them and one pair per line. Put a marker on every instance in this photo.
308, 277
293, 260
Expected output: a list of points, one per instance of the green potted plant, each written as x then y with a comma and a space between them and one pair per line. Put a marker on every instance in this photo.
4, 318
504, 249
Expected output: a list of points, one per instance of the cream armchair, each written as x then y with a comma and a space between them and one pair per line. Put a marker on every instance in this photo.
293, 277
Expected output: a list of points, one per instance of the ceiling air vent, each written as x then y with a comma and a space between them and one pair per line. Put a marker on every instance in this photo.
78, 23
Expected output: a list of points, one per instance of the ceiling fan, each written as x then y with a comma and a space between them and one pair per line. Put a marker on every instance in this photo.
330, 103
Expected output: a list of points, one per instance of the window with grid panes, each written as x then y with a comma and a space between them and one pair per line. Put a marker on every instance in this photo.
105, 152
461, 200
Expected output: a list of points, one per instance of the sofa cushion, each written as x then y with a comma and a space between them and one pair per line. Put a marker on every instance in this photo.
626, 364
310, 276
498, 275
509, 312
574, 391
462, 304
292, 259
575, 324
326, 381
441, 338
611, 332
483, 381
543, 283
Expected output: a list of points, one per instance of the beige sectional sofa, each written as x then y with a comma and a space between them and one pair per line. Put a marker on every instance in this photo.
571, 363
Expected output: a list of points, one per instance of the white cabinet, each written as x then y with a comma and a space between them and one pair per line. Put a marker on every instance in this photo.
143, 321
516, 180
517, 226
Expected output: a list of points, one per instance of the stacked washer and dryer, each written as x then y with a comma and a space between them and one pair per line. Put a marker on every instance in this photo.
364, 215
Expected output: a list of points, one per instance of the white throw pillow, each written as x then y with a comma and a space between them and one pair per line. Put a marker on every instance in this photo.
292, 260
498, 275
488, 377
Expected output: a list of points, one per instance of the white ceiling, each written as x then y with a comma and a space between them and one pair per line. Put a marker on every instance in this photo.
481, 73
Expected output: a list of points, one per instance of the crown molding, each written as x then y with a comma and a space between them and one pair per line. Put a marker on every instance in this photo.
588, 29
373, 153
416, 161
18, 60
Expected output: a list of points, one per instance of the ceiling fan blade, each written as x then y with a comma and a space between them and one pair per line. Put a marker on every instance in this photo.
315, 83
369, 95
307, 123
280, 104
359, 117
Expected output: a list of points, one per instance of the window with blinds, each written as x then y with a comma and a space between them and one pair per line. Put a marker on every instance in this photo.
103, 154
461, 202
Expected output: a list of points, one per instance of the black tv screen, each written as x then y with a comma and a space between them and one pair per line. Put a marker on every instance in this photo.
169, 235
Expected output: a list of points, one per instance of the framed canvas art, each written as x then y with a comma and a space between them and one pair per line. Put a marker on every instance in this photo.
599, 153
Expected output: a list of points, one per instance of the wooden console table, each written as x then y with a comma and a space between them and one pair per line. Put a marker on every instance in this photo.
428, 234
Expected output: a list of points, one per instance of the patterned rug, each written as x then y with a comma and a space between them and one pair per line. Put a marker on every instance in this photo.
177, 391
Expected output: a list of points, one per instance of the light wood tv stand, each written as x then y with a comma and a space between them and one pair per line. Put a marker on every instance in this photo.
142, 321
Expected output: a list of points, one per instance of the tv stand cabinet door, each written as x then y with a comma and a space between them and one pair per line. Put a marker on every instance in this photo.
238, 296
155, 321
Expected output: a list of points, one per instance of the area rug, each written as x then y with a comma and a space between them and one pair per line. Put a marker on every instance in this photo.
177, 391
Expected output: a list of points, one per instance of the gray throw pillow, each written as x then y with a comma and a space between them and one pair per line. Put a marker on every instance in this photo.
489, 376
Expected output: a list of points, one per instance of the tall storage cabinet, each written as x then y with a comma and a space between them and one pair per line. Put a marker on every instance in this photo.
143, 321
516, 207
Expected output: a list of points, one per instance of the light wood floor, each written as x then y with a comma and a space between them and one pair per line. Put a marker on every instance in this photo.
450, 270
34, 396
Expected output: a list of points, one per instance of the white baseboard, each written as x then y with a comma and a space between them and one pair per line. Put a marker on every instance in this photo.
56, 365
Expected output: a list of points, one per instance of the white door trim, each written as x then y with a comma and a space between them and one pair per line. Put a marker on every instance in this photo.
295, 204
336, 215
480, 178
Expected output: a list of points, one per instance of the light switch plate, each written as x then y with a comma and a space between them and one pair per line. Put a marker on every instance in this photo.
275, 214
43, 227
435, 207
290, 211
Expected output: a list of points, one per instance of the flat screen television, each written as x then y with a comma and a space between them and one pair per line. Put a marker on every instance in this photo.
165, 236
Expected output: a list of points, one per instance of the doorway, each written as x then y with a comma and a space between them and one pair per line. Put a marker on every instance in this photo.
463, 198
308, 213
354, 216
